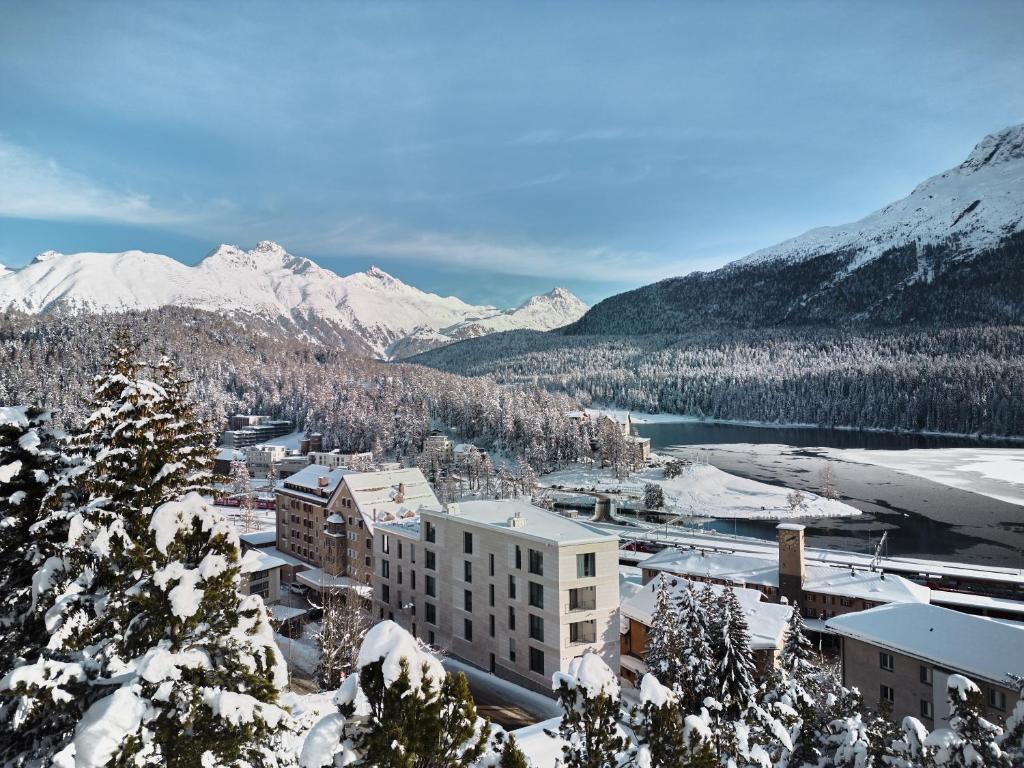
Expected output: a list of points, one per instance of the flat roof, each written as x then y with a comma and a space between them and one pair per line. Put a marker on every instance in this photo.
975, 645
317, 579
967, 600
539, 524
259, 538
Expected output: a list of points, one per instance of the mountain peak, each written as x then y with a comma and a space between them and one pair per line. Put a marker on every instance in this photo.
996, 148
378, 273
47, 256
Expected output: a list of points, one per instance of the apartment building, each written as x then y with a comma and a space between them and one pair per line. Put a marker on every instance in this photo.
507, 586
261, 458
336, 459
903, 654
821, 591
326, 518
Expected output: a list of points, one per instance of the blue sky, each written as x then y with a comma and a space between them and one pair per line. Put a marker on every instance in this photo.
483, 149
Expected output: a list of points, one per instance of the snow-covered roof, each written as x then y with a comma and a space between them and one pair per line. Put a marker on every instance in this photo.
308, 480
259, 538
317, 579
542, 745
230, 454
283, 556
767, 621
535, 523
977, 646
967, 600
409, 528
376, 494
258, 560
763, 570
285, 612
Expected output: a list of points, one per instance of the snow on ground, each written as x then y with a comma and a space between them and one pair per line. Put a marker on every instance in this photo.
301, 653
994, 472
706, 491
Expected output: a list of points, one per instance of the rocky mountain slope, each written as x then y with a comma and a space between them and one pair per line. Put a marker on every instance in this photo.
951, 252
370, 311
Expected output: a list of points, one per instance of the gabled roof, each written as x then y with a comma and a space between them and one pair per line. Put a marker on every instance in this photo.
874, 586
378, 497
977, 646
308, 481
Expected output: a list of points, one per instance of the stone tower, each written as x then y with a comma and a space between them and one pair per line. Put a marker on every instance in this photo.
791, 561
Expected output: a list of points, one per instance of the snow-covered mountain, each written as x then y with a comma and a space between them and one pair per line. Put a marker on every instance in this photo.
979, 203
950, 253
371, 311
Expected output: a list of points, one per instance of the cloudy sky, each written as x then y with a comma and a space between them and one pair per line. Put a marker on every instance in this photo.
483, 149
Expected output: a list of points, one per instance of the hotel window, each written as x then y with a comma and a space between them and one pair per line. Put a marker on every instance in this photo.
431, 533
537, 661
926, 674
511, 618
511, 587
467, 543
399, 574
536, 595
430, 614
467, 571
490, 564
926, 709
997, 699
586, 565
536, 628
491, 622
430, 586
467, 629
412, 579
467, 600
399, 550
519, 558
511, 649
431, 561
885, 661
887, 694
536, 562
490, 595
385, 569
385, 593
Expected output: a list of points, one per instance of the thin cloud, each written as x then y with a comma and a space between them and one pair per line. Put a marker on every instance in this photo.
37, 187
366, 239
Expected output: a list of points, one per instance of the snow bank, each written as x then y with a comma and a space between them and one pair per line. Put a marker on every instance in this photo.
590, 673
389, 643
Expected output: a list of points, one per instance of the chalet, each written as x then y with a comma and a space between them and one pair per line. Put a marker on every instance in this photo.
767, 622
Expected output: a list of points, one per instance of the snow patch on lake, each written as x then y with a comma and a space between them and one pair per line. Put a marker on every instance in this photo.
704, 491
994, 472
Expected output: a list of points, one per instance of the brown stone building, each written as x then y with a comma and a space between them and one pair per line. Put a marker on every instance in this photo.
903, 654
326, 517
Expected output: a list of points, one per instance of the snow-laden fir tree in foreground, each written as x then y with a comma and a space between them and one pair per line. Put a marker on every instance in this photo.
969, 739
1013, 738
33, 474
700, 672
736, 660
589, 695
666, 736
399, 711
150, 638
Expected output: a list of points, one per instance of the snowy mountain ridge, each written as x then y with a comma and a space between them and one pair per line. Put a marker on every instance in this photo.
371, 311
979, 202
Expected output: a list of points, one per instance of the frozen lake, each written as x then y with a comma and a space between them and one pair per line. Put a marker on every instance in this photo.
969, 516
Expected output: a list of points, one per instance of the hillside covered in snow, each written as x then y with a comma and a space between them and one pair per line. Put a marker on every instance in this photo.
369, 311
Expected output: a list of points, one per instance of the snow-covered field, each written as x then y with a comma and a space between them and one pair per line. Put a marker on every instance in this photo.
705, 491
994, 472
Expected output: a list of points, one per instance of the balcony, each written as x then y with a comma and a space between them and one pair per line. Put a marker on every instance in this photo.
582, 633
582, 599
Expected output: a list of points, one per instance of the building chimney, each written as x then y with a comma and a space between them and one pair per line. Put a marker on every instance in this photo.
453, 508
400, 495
322, 481
517, 521
791, 562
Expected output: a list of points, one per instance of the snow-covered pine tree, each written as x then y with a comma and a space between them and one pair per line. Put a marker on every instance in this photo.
798, 651
33, 478
969, 740
511, 755
658, 726
589, 695
664, 650
150, 637
342, 629
1013, 738
400, 711
700, 667
736, 664
241, 490
654, 496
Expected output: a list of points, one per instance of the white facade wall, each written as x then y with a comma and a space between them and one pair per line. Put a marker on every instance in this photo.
501, 644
